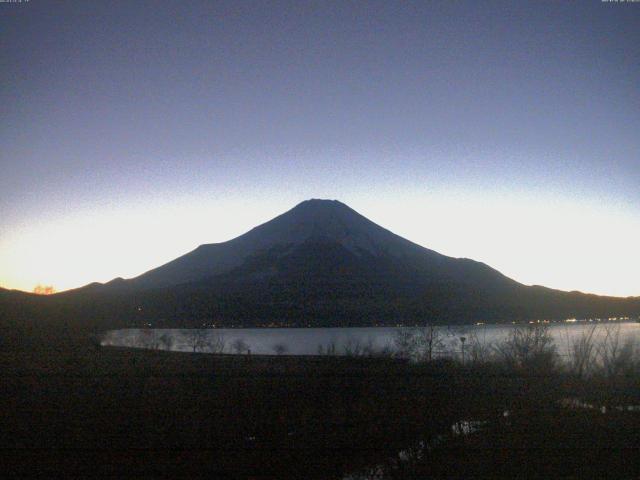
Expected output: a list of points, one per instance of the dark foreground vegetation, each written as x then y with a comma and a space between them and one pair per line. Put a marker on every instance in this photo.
72, 408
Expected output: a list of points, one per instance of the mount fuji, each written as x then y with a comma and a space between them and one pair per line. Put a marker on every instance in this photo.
323, 264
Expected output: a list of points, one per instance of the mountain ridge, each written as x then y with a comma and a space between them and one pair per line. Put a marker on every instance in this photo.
322, 263
313, 219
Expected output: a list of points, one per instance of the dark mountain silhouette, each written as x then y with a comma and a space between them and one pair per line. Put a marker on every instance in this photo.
317, 224
322, 263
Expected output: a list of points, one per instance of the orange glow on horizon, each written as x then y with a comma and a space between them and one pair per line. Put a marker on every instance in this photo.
556, 241
44, 290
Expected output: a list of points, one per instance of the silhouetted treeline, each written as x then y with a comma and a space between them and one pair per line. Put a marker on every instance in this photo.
327, 303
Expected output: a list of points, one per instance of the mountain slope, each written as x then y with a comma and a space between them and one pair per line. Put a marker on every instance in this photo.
311, 221
323, 264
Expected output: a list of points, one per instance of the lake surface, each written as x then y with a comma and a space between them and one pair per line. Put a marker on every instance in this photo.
311, 341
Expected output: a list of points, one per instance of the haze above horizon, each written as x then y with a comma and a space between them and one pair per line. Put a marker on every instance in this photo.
502, 132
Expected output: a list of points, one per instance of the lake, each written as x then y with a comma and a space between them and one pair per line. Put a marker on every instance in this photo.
311, 341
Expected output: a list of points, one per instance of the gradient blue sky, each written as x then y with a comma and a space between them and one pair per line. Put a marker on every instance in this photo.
507, 132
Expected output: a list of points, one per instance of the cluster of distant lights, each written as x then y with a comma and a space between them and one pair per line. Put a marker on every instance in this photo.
574, 320
308, 325
610, 319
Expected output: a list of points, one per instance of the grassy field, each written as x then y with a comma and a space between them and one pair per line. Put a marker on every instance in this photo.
71, 408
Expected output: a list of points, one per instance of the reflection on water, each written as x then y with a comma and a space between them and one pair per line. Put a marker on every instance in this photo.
349, 341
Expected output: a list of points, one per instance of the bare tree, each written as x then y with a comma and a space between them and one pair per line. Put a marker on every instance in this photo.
583, 353
239, 346
529, 347
280, 348
616, 357
419, 343
428, 341
197, 340
130, 339
385, 352
478, 351
329, 349
352, 348
405, 343
167, 341
368, 348
217, 342
148, 338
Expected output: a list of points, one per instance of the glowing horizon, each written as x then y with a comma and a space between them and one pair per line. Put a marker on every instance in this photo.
522, 240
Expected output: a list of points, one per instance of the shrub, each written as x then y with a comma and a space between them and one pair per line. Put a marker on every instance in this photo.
583, 354
529, 348
616, 358
479, 351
